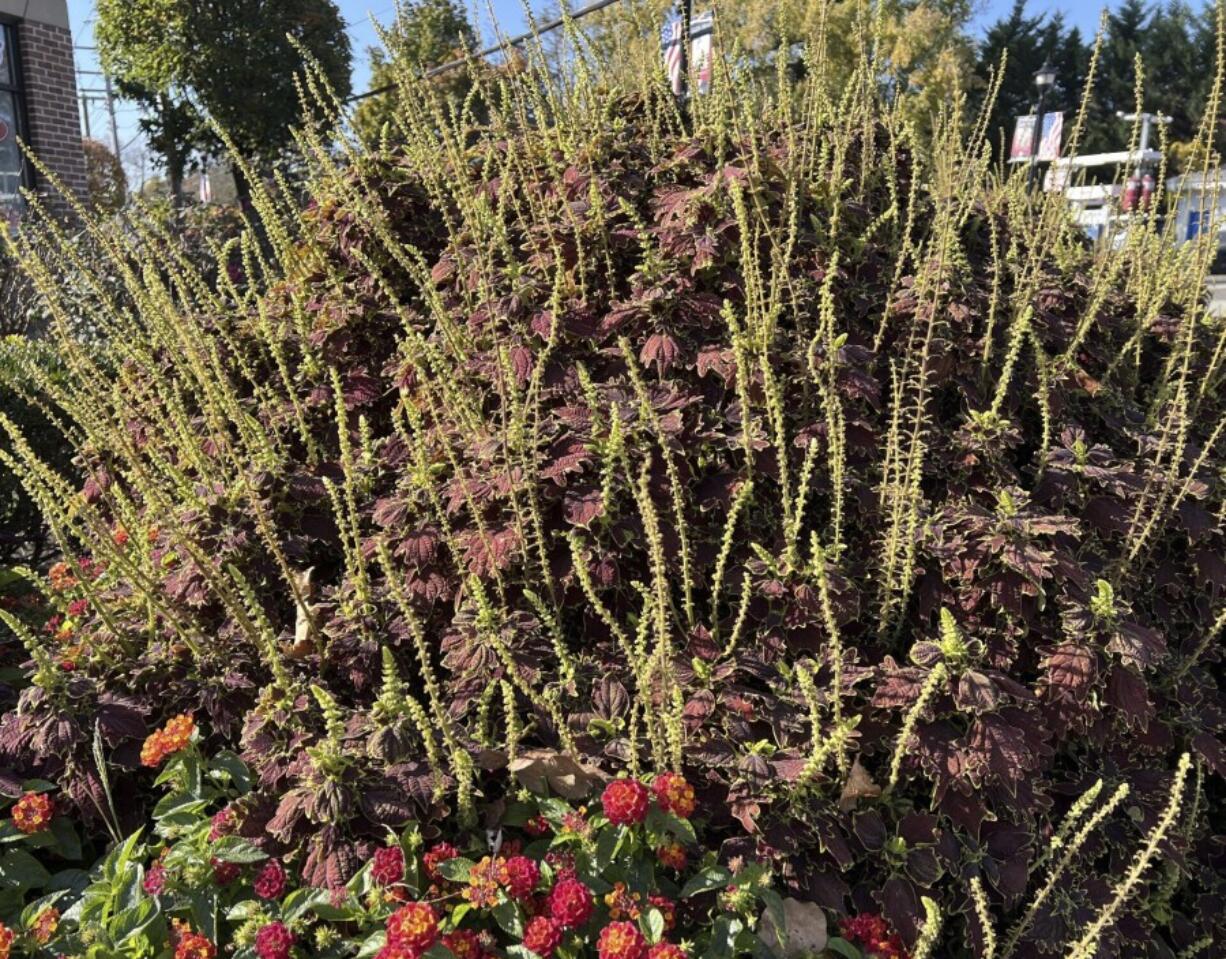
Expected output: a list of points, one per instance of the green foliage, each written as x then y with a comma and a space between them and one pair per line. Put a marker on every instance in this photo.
424, 34
233, 61
24, 362
106, 182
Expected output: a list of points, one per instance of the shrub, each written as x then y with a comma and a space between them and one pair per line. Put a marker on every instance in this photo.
106, 180
23, 533
766, 444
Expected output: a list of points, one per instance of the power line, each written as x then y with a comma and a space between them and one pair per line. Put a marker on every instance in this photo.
513, 42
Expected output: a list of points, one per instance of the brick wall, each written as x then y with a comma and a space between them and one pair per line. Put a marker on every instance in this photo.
51, 104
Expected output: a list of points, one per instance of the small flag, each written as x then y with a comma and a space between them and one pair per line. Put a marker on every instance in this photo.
1023, 138
206, 187
1053, 130
702, 32
670, 44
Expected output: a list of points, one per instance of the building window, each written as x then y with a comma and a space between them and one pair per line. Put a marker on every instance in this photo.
13, 168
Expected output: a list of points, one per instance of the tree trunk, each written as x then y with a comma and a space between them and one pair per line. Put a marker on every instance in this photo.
174, 173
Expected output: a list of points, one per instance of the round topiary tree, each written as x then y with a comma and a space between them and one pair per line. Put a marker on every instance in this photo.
760, 440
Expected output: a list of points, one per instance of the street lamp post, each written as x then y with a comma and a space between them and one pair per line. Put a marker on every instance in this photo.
1044, 80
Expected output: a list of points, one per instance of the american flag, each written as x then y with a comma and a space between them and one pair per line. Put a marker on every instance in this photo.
1053, 131
671, 44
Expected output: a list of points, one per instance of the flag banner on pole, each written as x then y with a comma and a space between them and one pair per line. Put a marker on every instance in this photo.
1049, 142
206, 188
670, 45
1023, 138
1053, 130
702, 36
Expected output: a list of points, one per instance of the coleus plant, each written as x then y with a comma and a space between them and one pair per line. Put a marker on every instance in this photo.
768, 444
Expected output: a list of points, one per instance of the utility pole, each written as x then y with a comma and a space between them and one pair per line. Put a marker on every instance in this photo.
110, 105
1147, 122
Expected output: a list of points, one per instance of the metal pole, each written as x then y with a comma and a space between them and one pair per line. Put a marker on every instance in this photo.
1035, 139
687, 10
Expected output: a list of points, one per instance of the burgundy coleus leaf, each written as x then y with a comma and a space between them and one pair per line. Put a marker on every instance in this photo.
485, 553
566, 455
120, 718
390, 511
521, 364
1138, 645
1070, 672
661, 350
897, 686
331, 859
582, 506
900, 906
1001, 745
359, 388
718, 360
1128, 692
419, 546
610, 698
976, 692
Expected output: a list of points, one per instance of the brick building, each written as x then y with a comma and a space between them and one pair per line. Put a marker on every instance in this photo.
38, 101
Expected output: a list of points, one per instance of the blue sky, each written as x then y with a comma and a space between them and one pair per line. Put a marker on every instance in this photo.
510, 15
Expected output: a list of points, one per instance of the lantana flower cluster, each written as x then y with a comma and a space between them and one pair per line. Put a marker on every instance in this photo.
551, 881
170, 739
33, 812
873, 935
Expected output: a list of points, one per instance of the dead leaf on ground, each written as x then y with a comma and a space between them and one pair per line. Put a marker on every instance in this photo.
805, 932
543, 771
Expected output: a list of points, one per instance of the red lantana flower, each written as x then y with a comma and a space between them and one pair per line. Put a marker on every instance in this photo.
621, 940
666, 950
7, 936
672, 855
674, 794
32, 813
274, 941
438, 854
668, 909
873, 934
224, 872
625, 802
520, 876
570, 902
270, 883
45, 925
537, 826
222, 824
387, 865
464, 944
193, 945
543, 935
414, 925
155, 879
